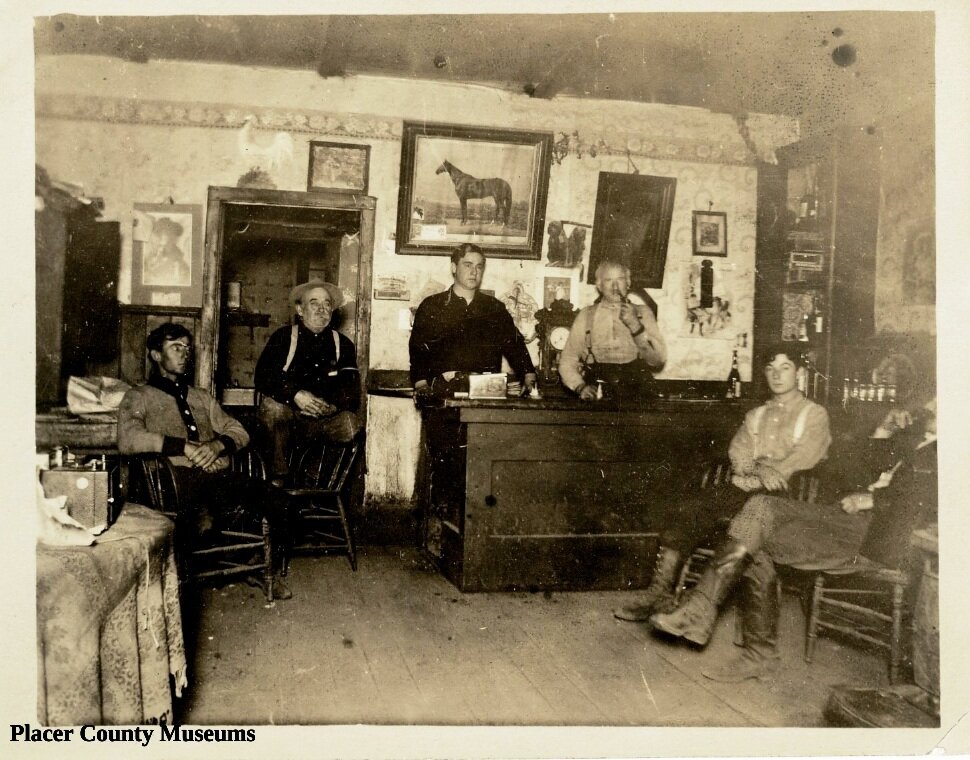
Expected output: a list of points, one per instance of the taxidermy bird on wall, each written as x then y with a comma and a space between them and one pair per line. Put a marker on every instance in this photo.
263, 158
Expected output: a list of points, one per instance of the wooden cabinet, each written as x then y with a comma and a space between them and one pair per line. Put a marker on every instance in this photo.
817, 221
77, 261
559, 494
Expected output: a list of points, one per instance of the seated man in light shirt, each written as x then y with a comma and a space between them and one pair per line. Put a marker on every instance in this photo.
895, 477
787, 434
613, 341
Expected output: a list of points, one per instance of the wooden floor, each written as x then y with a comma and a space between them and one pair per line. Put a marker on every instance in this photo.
395, 643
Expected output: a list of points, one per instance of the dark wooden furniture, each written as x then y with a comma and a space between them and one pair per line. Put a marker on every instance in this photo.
77, 260
819, 204
90, 434
317, 516
224, 553
556, 494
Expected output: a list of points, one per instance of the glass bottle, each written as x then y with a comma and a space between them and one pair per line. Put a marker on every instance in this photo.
734, 378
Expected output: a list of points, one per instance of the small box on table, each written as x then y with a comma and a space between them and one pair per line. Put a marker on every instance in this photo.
91, 495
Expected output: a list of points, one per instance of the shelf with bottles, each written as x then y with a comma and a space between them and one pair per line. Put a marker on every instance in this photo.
804, 317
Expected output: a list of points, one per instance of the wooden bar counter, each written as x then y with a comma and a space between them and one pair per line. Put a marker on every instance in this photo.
558, 493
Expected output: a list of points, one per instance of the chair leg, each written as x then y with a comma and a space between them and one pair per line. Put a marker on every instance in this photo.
351, 553
896, 640
812, 632
268, 559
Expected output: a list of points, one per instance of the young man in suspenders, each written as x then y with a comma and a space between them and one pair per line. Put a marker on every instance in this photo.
788, 434
308, 377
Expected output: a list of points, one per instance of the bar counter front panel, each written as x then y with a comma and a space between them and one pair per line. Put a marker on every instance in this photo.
561, 494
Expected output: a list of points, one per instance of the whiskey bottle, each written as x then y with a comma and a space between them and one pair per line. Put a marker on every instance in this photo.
734, 378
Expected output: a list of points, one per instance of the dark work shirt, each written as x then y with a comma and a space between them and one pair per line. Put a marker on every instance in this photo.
315, 368
450, 334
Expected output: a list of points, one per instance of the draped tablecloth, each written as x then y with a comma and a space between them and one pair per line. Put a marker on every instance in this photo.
109, 626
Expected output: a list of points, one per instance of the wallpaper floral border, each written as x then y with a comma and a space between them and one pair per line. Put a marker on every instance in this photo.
739, 140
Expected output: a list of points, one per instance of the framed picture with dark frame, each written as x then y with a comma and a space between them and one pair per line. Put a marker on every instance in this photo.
709, 233
632, 225
167, 255
339, 167
477, 185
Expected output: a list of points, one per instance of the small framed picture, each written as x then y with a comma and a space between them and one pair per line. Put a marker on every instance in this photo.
339, 167
710, 233
166, 255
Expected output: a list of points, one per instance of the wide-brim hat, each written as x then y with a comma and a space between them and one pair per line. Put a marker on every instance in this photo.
296, 295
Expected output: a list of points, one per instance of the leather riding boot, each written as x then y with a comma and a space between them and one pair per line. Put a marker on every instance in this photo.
760, 600
694, 619
660, 591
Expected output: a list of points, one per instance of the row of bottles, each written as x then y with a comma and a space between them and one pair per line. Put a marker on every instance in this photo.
853, 390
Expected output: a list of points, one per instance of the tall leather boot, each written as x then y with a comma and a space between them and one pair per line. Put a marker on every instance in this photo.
760, 603
694, 619
659, 593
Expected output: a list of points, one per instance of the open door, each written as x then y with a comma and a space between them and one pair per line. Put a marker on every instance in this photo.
259, 244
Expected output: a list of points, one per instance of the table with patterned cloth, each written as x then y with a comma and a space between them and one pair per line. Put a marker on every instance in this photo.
109, 626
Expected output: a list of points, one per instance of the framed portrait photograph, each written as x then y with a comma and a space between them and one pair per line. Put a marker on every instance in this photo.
338, 166
166, 255
472, 185
710, 233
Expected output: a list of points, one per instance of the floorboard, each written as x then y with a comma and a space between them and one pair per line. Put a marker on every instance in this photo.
395, 643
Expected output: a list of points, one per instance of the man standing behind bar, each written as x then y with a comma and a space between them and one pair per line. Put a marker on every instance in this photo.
463, 330
613, 341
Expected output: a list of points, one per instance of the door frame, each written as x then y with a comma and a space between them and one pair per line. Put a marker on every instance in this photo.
207, 341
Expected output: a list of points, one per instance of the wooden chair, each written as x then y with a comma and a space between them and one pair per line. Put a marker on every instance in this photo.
864, 602
867, 599
228, 552
803, 487
317, 515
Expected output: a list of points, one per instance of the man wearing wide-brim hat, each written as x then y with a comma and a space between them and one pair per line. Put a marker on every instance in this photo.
308, 377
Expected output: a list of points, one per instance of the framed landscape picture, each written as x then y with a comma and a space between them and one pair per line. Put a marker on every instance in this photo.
472, 185
338, 166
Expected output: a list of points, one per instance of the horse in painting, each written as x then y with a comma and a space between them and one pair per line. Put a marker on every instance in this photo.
467, 186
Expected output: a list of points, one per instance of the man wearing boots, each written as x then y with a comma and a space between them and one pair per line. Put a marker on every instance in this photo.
786, 435
772, 530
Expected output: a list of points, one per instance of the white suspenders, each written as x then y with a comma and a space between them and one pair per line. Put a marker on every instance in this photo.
294, 337
797, 433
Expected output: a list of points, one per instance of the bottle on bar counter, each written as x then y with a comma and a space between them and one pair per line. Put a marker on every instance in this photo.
734, 378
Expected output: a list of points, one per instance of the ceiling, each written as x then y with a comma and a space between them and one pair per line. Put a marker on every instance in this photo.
823, 68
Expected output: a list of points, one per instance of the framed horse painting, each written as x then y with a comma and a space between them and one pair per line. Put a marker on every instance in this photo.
472, 185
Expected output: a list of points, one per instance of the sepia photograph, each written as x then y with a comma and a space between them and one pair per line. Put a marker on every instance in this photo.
383, 442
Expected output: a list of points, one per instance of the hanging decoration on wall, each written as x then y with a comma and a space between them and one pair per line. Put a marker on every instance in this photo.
262, 160
708, 303
567, 243
166, 254
522, 307
710, 233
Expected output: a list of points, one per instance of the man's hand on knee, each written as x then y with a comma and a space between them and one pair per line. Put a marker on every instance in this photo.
312, 405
